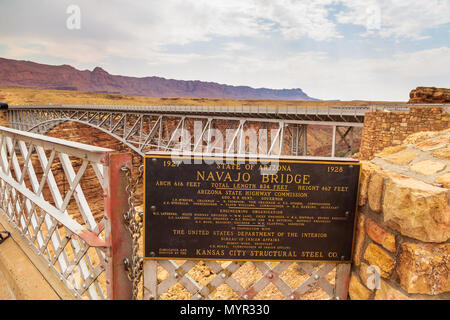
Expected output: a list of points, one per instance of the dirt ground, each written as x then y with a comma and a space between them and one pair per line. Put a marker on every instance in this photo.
23, 96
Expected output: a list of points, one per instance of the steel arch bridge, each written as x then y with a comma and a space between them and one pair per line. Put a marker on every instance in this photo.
161, 128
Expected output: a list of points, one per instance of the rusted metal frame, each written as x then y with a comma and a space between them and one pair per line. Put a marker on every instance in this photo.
314, 277
270, 275
342, 281
150, 280
321, 281
117, 236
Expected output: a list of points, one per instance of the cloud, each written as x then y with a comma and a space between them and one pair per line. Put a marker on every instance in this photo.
262, 43
398, 18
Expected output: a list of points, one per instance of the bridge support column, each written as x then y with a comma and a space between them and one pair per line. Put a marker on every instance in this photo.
117, 236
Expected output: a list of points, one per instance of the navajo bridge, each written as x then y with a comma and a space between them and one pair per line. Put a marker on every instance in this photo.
78, 241
145, 128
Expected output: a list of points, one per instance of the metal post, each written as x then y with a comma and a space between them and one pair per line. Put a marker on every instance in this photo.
117, 236
333, 143
305, 139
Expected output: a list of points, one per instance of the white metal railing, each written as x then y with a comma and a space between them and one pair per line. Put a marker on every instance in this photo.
48, 195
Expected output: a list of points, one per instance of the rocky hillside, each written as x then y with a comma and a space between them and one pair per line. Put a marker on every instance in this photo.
429, 95
26, 74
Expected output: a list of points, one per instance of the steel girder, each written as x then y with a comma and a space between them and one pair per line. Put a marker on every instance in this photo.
144, 132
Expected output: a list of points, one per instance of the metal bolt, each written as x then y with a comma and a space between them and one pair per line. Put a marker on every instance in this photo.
153, 208
316, 276
350, 166
337, 298
245, 296
347, 213
154, 160
175, 275
151, 298
342, 258
199, 296
292, 297
270, 276
152, 253
223, 275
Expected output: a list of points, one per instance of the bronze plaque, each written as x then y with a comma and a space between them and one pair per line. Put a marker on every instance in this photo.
249, 210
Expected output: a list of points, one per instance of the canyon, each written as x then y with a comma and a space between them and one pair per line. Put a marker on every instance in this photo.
27, 74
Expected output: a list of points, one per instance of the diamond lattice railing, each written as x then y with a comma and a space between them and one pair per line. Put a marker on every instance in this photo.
46, 195
223, 280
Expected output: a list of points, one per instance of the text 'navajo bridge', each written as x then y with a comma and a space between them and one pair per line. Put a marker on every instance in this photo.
221, 213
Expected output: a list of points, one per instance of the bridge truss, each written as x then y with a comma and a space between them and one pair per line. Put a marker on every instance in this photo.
269, 131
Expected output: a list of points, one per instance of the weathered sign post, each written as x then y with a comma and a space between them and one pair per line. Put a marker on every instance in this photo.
249, 209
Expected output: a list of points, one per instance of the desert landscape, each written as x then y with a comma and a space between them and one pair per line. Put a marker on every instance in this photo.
352, 96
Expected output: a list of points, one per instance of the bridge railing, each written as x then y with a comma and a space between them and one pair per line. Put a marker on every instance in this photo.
63, 203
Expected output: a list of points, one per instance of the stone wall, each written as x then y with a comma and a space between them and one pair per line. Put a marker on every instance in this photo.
429, 95
403, 227
383, 129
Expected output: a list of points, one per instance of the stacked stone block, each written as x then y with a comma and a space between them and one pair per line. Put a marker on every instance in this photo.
402, 247
383, 129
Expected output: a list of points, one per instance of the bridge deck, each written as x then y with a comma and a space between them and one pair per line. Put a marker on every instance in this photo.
350, 113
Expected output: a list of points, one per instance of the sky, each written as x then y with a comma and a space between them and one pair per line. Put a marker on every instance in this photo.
331, 49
